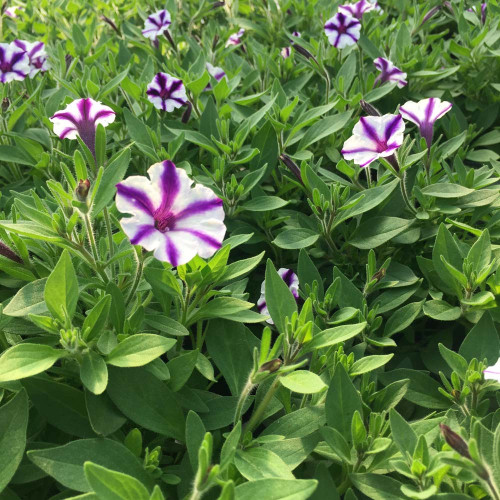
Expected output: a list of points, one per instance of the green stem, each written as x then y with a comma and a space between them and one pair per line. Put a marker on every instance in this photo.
137, 278
257, 415
404, 192
110, 237
90, 234
245, 392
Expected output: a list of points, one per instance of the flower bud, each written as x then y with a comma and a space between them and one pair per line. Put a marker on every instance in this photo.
82, 190
5, 104
271, 366
369, 109
292, 166
301, 50
9, 253
216, 5
379, 275
455, 441
68, 59
111, 23
187, 113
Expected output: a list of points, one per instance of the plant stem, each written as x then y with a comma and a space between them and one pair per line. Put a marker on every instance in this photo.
245, 392
137, 278
257, 415
90, 234
404, 192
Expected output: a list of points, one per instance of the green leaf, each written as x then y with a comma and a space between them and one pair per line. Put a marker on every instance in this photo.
181, 368
342, 400
480, 253
369, 363
337, 443
264, 204
482, 341
61, 289
295, 239
454, 360
324, 127
446, 190
93, 372
303, 382
240, 267
377, 230
166, 325
111, 485
333, 336
65, 463
146, 401
139, 350
15, 154
402, 434
450, 146
103, 415
279, 299
26, 360
28, 300
441, 310
377, 486
402, 318
259, 463
276, 489
230, 446
13, 426
308, 273
195, 432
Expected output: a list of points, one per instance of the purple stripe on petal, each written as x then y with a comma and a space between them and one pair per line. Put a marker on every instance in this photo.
137, 198
66, 116
171, 251
411, 115
199, 207
103, 113
66, 131
369, 130
389, 130
170, 183
262, 305
143, 232
209, 240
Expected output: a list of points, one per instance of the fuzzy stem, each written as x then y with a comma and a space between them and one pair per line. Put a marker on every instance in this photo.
137, 278
257, 415
245, 392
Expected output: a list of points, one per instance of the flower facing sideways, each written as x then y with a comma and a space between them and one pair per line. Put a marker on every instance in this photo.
166, 92
235, 38
37, 55
215, 72
156, 24
80, 118
356, 9
292, 281
389, 73
170, 217
286, 51
14, 63
374, 137
342, 30
11, 11
424, 113
493, 372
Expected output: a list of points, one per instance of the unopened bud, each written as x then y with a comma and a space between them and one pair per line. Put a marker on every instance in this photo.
5, 104
68, 59
216, 5
301, 50
187, 113
271, 366
455, 441
292, 166
168, 36
111, 23
82, 190
9, 253
379, 275
215, 41
369, 109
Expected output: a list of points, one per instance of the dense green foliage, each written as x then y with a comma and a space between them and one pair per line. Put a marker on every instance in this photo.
124, 377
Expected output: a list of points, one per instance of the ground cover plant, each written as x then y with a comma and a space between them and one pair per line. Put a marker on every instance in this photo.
250, 250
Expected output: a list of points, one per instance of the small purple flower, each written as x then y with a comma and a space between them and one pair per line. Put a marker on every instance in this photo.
169, 216
286, 51
292, 281
483, 11
356, 9
80, 118
215, 72
374, 137
235, 38
37, 55
156, 24
11, 11
342, 30
14, 63
389, 73
493, 372
166, 92
424, 113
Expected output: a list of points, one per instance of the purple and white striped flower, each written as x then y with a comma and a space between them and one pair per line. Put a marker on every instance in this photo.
342, 30
389, 73
493, 372
235, 38
12, 11
356, 9
80, 118
483, 11
37, 55
424, 113
215, 71
156, 24
374, 137
170, 217
14, 63
166, 92
286, 51
292, 281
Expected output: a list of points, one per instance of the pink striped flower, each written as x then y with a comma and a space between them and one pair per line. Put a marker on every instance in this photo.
374, 137
356, 9
80, 118
389, 73
14, 63
342, 30
424, 113
166, 92
493, 372
292, 281
37, 55
171, 217
156, 24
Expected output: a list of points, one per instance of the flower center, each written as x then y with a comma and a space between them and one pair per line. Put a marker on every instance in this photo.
38, 62
381, 146
342, 29
5, 67
165, 94
164, 222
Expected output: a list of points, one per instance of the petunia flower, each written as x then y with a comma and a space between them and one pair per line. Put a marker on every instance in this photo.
11, 11
235, 38
374, 137
389, 73
424, 113
286, 51
14, 63
292, 281
483, 11
170, 217
493, 372
215, 72
80, 118
342, 30
356, 9
166, 92
37, 55
156, 24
